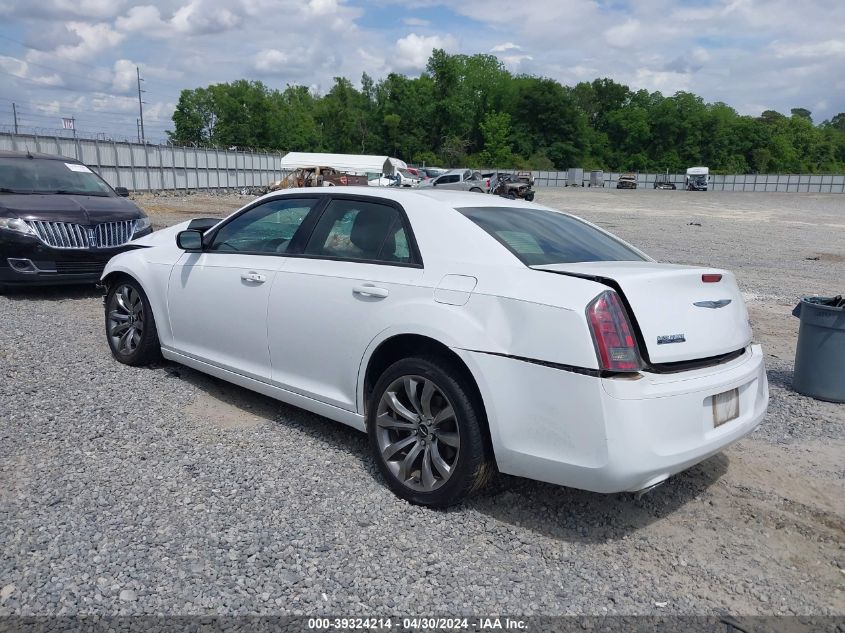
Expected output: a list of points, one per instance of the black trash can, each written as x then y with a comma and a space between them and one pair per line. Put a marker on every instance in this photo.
820, 355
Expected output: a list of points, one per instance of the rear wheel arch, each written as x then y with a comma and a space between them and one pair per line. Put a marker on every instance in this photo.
401, 346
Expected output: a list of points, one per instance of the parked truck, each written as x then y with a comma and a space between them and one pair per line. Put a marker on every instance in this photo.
698, 179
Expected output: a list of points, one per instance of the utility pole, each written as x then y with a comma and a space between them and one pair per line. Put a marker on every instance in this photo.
140, 105
138, 128
75, 141
15, 116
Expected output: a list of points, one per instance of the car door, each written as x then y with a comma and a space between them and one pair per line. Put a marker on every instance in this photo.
448, 181
217, 298
359, 270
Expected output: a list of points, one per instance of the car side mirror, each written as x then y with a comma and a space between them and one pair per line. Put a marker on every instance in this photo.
190, 241
123, 192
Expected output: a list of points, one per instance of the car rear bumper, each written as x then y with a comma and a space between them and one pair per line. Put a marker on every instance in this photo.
612, 434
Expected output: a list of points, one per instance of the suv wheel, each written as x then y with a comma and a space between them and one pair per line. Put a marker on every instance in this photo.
425, 432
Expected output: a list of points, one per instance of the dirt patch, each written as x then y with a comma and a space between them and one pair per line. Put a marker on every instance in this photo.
774, 327
222, 405
166, 210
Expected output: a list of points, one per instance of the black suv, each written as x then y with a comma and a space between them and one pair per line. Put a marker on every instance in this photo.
59, 221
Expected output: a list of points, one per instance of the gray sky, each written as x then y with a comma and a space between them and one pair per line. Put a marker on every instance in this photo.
78, 57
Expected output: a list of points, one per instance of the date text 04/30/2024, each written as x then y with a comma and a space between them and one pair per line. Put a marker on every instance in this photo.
417, 624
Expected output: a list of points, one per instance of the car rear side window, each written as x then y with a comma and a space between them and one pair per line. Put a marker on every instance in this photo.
358, 230
539, 236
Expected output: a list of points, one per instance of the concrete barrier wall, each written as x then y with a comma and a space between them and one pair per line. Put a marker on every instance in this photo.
786, 183
152, 167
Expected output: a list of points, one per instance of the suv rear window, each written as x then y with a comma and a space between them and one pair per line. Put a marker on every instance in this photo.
538, 237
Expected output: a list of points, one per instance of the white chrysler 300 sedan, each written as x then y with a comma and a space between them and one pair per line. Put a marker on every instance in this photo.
462, 332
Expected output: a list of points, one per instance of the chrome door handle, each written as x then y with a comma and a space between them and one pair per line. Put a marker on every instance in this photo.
253, 277
368, 290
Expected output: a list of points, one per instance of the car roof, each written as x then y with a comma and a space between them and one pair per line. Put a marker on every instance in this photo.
12, 154
448, 197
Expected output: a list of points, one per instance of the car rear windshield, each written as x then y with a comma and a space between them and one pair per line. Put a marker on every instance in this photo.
538, 236
41, 175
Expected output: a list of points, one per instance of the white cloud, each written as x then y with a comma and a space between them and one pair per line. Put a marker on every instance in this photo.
412, 51
22, 69
507, 46
623, 35
140, 19
200, 18
13, 65
665, 81
62, 9
322, 7
713, 49
826, 49
271, 61
125, 76
92, 40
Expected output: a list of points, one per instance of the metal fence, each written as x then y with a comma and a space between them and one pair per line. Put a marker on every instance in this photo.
786, 183
142, 167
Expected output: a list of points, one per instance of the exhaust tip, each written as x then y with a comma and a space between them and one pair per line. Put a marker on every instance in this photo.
643, 491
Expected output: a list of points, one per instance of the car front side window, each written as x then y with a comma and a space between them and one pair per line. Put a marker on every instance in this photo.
266, 228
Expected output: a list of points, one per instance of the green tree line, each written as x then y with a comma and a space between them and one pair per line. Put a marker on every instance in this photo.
469, 110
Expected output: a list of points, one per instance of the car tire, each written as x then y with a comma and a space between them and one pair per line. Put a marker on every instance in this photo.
530, 197
511, 196
130, 325
476, 190
430, 449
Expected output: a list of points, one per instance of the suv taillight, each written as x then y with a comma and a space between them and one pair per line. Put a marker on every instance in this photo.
616, 346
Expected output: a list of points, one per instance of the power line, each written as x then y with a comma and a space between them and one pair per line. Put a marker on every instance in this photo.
90, 115
35, 105
72, 89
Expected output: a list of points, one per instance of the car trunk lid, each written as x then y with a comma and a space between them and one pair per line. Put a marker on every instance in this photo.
679, 316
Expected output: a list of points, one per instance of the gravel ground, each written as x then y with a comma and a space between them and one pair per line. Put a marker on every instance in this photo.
129, 491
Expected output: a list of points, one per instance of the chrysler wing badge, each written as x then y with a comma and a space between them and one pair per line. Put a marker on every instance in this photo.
721, 303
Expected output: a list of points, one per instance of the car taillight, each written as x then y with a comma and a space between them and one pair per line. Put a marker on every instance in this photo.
711, 278
616, 346
344, 180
